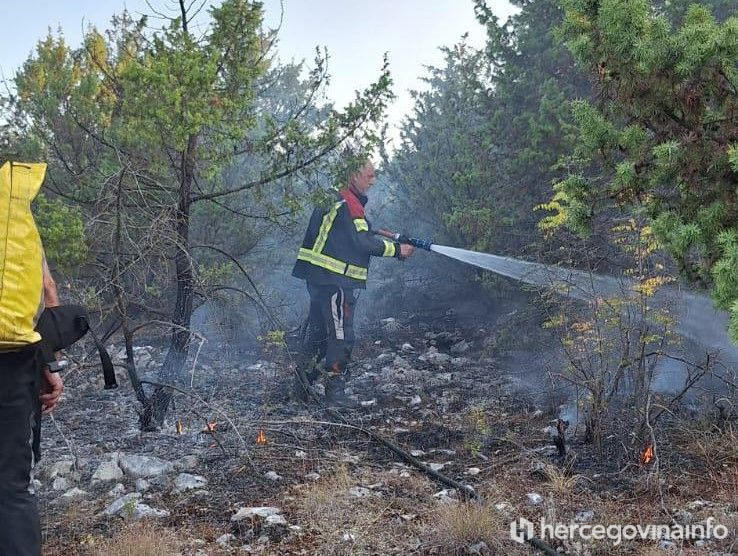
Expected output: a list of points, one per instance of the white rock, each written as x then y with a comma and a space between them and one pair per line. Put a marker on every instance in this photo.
435, 357
225, 540
60, 483
415, 400
124, 503
537, 413
503, 507
473, 471
300, 454
369, 403
59, 468
117, 490
140, 466
479, 548
273, 476
436, 466
255, 511
698, 505
186, 463
312, 476
383, 358
185, 481
417, 453
276, 519
445, 496
407, 348
534, 498
142, 485
107, 471
348, 537
359, 492
141, 511
74, 493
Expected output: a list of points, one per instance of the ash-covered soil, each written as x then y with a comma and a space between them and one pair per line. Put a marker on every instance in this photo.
240, 468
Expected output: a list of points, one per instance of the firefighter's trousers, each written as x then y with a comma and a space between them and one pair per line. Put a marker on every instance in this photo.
20, 412
330, 329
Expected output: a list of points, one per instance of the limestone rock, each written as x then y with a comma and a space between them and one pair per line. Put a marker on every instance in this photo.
107, 471
185, 481
140, 466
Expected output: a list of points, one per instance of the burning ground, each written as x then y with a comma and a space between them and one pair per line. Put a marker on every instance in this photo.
240, 469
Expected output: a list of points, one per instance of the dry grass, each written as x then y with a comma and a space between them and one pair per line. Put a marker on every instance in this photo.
140, 539
561, 480
338, 523
456, 527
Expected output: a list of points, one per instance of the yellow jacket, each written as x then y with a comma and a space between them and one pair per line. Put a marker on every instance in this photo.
21, 255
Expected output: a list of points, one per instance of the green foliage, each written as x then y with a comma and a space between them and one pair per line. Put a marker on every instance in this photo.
273, 338
661, 139
479, 151
62, 232
177, 150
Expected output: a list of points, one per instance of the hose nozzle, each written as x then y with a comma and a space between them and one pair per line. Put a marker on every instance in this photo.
415, 242
402, 238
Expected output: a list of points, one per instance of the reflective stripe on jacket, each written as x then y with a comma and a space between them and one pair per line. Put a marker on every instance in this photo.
338, 244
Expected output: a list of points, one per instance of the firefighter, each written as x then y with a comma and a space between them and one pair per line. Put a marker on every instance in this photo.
334, 261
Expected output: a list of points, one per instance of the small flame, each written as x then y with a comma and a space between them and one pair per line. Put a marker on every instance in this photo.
180, 427
210, 427
647, 456
261, 437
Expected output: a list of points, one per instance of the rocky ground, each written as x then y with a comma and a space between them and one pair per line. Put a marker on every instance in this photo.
239, 469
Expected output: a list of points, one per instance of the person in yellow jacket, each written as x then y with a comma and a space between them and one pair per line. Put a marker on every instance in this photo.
27, 387
334, 262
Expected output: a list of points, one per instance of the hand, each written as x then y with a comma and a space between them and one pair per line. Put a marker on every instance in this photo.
406, 250
51, 390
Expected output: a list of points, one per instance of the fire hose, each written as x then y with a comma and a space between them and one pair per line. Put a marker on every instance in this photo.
402, 238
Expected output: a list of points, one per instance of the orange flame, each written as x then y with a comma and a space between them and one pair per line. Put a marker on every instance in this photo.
210, 427
261, 437
180, 427
647, 456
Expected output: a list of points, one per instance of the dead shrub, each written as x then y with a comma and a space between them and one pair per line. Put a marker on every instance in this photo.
456, 527
140, 539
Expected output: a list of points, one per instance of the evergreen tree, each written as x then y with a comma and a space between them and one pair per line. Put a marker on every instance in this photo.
662, 137
142, 130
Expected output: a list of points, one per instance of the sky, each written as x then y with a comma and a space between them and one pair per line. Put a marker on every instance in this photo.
356, 33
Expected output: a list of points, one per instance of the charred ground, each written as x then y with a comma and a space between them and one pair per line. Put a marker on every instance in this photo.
447, 388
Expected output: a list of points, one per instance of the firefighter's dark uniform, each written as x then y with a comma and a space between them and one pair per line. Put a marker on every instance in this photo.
334, 261
20, 413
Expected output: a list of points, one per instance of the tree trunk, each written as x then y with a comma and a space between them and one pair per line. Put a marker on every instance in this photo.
180, 340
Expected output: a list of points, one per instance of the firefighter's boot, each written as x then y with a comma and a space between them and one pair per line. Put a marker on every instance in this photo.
335, 394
